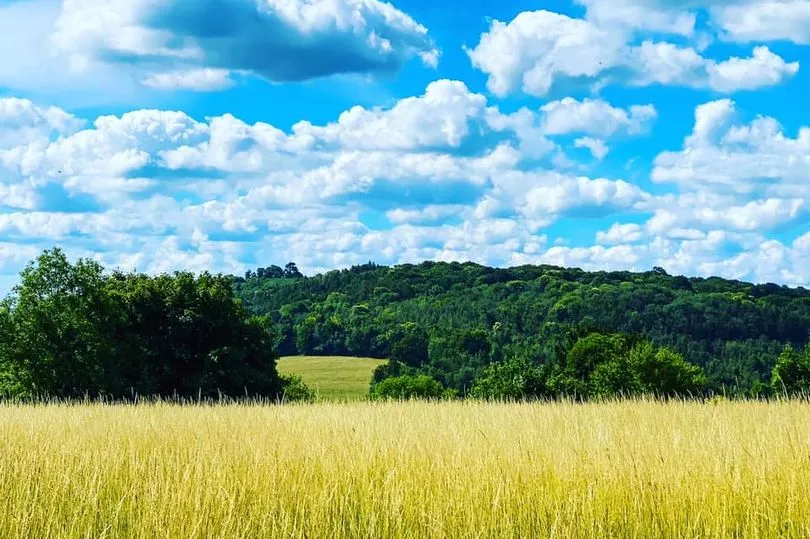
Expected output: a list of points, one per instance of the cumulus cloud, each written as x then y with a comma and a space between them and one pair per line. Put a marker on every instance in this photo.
443, 117
737, 20
540, 49
620, 233
597, 147
595, 117
275, 39
22, 121
425, 215
754, 157
765, 20
199, 80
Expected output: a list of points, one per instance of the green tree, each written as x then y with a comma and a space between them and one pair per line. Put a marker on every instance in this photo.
70, 330
663, 372
410, 345
791, 374
513, 379
408, 387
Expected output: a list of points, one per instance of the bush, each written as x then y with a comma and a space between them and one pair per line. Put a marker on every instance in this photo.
295, 390
791, 375
513, 379
408, 387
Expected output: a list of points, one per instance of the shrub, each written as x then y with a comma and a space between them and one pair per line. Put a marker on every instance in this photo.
295, 390
408, 387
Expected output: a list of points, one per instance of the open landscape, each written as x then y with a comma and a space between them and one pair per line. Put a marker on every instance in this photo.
615, 469
338, 269
332, 378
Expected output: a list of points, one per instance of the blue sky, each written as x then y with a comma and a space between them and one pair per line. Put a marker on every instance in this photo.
225, 135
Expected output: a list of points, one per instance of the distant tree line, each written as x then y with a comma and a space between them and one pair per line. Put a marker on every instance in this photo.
71, 330
464, 325
290, 271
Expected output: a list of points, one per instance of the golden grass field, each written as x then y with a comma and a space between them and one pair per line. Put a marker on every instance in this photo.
333, 378
622, 469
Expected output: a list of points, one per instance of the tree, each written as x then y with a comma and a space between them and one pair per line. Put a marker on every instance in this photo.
513, 379
410, 345
791, 374
291, 271
663, 372
408, 387
70, 330
295, 390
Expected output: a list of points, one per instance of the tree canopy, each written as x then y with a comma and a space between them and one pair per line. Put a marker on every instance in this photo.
69, 330
471, 317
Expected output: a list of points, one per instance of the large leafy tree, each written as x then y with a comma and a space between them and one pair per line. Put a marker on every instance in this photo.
69, 330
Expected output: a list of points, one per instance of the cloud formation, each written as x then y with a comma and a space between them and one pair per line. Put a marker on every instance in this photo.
539, 51
279, 40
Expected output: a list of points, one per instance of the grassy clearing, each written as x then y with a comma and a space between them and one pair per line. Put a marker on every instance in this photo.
333, 377
377, 470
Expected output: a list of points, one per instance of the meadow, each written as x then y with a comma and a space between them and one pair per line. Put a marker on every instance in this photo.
332, 378
417, 469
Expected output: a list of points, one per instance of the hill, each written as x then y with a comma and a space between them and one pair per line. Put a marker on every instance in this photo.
332, 378
464, 316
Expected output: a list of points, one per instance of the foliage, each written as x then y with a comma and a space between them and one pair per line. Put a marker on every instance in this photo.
513, 379
597, 365
408, 387
295, 390
473, 316
791, 374
70, 330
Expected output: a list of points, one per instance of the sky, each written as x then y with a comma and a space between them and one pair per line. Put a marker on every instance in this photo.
224, 135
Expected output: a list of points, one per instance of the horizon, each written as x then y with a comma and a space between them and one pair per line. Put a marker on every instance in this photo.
168, 136
7, 289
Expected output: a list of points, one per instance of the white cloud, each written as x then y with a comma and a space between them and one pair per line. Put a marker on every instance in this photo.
22, 121
757, 157
455, 177
595, 117
765, 20
738, 20
539, 49
764, 68
597, 147
635, 15
546, 195
276, 39
425, 215
620, 233
199, 80
441, 118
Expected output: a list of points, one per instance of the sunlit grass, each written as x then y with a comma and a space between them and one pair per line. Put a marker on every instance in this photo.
632, 469
333, 378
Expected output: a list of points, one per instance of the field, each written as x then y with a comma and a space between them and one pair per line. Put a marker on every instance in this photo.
332, 378
622, 469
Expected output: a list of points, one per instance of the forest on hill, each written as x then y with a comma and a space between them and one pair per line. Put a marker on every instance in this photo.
460, 324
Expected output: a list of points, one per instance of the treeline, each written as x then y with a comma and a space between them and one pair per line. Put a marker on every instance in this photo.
72, 331
457, 324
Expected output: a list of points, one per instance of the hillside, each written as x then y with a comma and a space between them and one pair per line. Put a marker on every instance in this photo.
469, 315
332, 378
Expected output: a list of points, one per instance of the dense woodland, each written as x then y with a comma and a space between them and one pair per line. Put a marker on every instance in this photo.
447, 329
465, 325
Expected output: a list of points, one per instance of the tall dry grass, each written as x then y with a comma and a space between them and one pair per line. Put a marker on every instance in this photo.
623, 469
